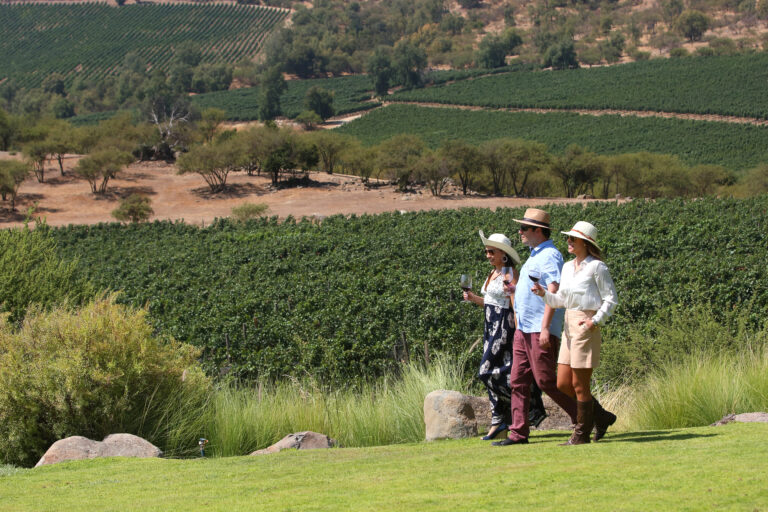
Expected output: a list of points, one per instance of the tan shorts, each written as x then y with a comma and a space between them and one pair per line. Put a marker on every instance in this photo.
579, 346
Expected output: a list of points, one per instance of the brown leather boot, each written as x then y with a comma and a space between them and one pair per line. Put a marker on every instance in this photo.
603, 420
584, 424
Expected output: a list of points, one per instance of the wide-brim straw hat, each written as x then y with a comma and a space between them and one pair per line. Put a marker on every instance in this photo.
535, 217
585, 231
499, 241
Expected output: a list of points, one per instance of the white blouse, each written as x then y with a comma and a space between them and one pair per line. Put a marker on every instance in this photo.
493, 292
589, 288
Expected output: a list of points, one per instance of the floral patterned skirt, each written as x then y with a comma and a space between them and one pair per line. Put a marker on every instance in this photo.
496, 362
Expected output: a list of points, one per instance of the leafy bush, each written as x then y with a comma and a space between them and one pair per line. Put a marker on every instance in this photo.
91, 372
247, 211
134, 208
32, 272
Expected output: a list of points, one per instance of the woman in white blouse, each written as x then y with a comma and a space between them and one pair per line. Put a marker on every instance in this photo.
589, 296
496, 362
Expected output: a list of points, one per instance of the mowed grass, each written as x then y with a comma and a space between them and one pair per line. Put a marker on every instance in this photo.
723, 468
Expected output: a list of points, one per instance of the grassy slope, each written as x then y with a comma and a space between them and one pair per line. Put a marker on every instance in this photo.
695, 142
690, 469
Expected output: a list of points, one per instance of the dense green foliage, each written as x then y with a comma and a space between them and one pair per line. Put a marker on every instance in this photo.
350, 94
31, 272
91, 372
91, 39
696, 142
338, 299
690, 85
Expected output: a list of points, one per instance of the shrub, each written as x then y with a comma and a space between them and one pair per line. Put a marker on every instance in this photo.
91, 372
678, 52
134, 208
247, 211
32, 272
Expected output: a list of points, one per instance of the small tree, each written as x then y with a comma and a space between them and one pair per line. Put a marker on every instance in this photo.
309, 119
398, 156
213, 162
433, 169
577, 169
60, 141
561, 55
379, 67
209, 122
320, 101
692, 24
101, 166
272, 87
12, 175
37, 152
359, 160
462, 159
134, 208
409, 62
329, 146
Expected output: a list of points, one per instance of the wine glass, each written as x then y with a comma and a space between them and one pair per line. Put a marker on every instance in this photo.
534, 275
507, 276
466, 283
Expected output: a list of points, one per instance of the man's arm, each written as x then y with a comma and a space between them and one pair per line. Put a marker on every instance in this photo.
546, 319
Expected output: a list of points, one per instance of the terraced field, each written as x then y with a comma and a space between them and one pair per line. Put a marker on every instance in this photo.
91, 39
733, 86
736, 146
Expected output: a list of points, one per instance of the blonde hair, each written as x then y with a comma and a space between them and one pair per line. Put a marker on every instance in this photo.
593, 251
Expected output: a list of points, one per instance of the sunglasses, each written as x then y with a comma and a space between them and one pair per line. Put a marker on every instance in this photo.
526, 227
490, 251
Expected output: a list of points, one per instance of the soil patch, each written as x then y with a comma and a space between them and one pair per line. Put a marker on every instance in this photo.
68, 200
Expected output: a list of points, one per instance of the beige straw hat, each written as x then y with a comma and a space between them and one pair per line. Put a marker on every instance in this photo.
535, 217
499, 241
585, 231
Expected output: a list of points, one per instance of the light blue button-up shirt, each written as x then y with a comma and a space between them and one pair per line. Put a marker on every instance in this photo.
529, 307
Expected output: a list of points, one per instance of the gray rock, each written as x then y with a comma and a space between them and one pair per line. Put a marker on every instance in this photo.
556, 418
306, 440
752, 417
448, 415
115, 445
747, 417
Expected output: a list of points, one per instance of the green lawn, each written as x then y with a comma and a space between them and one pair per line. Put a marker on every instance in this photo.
723, 468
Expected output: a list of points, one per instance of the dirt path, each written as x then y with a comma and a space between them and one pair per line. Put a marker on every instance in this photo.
67, 199
600, 112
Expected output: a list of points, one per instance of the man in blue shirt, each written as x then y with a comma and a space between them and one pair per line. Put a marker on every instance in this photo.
536, 339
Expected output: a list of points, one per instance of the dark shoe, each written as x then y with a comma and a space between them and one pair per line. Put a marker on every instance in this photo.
603, 420
536, 417
501, 427
584, 423
509, 441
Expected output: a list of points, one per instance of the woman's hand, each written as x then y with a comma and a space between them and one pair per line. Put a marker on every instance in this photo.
588, 324
537, 289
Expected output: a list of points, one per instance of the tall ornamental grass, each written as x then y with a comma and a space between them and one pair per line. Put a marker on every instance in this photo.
697, 391
240, 419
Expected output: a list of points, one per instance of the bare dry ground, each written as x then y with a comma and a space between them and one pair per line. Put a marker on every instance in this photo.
63, 200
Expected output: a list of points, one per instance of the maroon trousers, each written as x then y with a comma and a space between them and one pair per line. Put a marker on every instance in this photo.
529, 362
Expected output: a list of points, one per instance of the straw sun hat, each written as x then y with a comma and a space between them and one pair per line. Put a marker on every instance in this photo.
535, 217
499, 241
585, 231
